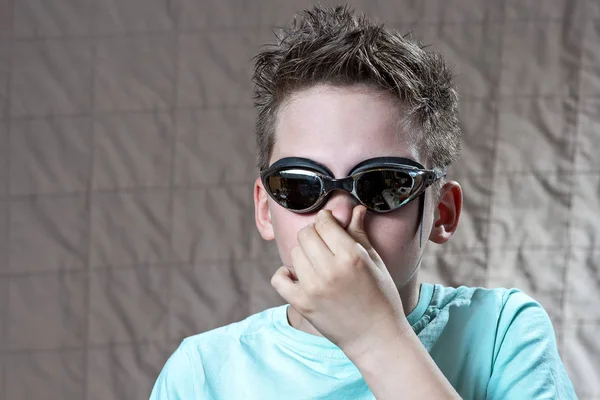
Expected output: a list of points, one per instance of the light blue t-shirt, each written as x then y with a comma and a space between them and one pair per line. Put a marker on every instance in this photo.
489, 343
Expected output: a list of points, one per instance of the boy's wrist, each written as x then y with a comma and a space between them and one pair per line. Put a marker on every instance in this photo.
378, 343
402, 355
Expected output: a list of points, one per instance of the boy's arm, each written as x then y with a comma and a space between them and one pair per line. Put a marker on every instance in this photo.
401, 367
526, 360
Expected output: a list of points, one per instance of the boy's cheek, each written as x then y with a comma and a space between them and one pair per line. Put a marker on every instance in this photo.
285, 251
286, 233
394, 241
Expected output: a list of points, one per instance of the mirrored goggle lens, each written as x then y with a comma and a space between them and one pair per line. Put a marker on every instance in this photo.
384, 190
295, 189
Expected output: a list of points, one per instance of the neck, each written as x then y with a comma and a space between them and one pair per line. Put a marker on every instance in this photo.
409, 294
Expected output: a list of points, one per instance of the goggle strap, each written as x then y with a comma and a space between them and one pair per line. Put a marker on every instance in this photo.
422, 211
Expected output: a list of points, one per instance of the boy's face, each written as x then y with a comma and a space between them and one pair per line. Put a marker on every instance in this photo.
339, 127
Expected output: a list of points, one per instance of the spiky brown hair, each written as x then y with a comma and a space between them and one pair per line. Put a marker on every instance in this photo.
336, 46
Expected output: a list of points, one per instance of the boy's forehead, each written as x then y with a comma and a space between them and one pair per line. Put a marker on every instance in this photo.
341, 127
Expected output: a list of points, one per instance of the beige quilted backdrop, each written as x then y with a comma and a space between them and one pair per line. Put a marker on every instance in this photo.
127, 163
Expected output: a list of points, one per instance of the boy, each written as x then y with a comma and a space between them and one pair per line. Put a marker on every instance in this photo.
355, 128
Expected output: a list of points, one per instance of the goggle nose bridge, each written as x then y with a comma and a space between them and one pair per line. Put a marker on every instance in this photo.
346, 184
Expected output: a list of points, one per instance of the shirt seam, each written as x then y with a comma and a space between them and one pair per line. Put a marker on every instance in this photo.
429, 306
192, 370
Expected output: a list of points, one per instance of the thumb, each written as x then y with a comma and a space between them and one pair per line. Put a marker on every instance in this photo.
356, 228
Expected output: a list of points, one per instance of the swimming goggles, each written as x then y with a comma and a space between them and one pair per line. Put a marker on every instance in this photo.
381, 184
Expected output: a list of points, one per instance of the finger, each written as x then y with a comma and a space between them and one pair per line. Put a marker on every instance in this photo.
314, 247
303, 267
332, 233
356, 228
283, 281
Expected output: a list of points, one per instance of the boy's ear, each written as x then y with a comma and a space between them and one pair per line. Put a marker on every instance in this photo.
262, 214
447, 213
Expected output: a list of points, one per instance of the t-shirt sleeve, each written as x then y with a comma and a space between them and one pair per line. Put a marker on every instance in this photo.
178, 378
526, 363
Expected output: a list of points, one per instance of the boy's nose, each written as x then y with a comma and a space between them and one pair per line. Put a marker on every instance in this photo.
341, 205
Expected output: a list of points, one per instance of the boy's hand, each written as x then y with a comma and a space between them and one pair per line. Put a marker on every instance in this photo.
343, 288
